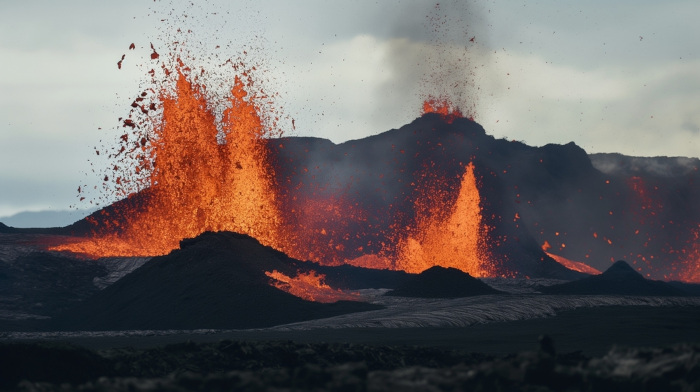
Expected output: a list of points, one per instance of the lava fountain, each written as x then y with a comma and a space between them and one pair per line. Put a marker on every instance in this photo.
444, 235
198, 182
207, 174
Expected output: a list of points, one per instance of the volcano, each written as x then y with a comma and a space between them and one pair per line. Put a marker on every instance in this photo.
439, 282
379, 201
588, 208
436, 192
216, 280
619, 279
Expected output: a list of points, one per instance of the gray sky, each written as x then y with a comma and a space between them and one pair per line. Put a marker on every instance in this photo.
618, 76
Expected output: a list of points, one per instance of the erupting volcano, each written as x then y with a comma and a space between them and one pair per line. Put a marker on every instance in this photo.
211, 174
197, 182
436, 192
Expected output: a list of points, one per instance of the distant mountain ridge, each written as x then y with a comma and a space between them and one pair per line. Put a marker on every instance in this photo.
614, 163
45, 218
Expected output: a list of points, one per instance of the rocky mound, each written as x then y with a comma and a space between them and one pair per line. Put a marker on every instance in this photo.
440, 282
619, 279
216, 280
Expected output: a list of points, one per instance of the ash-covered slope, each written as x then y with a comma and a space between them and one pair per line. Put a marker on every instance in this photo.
216, 280
619, 279
439, 282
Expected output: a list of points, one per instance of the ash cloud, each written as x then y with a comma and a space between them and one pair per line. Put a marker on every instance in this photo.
434, 50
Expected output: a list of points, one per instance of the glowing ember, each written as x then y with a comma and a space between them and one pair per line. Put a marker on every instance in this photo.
310, 286
692, 259
320, 228
447, 236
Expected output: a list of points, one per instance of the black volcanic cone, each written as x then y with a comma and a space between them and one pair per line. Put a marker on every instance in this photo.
619, 279
440, 282
216, 280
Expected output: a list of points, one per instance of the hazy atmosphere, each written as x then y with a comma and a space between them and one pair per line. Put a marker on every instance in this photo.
619, 77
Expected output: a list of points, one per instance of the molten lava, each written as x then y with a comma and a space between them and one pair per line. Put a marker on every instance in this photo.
204, 164
443, 107
310, 286
447, 235
574, 265
197, 183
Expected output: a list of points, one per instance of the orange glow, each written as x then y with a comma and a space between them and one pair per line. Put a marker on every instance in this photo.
691, 273
546, 246
448, 236
310, 286
443, 107
197, 184
321, 228
574, 265
203, 164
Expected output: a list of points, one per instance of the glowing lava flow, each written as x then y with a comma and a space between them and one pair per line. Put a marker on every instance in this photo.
570, 264
310, 286
447, 236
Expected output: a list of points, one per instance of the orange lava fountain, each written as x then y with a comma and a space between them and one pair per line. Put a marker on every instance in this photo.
447, 236
691, 273
213, 173
197, 183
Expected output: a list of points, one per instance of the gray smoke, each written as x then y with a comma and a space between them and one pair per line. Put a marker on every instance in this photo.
435, 50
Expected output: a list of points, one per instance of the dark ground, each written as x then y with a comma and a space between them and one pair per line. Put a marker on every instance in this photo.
593, 331
604, 348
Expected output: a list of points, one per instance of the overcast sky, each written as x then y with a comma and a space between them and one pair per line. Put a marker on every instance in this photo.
618, 76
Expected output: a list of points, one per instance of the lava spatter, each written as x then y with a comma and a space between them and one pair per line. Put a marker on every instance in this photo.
447, 235
197, 181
